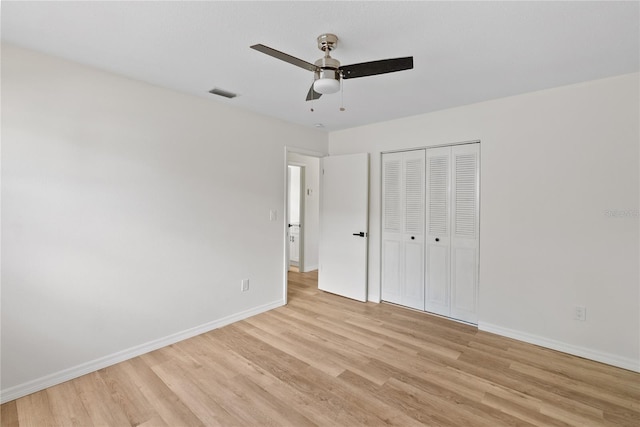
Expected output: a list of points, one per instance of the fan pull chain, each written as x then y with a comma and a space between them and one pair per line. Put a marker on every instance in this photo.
341, 94
313, 100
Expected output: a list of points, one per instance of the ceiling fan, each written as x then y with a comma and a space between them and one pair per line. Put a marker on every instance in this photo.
328, 71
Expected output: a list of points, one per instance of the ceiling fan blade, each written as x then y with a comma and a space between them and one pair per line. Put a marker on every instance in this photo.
312, 94
284, 57
376, 67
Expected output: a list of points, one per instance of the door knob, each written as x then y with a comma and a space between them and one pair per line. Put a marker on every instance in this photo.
361, 234
413, 237
437, 240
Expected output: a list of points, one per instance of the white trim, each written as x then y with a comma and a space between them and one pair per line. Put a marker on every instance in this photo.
59, 377
305, 152
587, 353
308, 268
426, 147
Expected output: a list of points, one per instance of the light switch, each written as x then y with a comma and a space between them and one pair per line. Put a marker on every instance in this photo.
273, 215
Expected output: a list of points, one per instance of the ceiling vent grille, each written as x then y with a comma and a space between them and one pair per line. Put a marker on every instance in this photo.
222, 92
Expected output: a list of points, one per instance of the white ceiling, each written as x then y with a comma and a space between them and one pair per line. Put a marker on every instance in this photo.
464, 52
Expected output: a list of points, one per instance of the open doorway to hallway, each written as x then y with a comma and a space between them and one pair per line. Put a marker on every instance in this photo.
303, 212
296, 189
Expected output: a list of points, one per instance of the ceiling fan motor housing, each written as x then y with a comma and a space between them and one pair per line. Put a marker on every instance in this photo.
328, 68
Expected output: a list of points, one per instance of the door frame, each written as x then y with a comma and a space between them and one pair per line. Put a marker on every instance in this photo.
285, 218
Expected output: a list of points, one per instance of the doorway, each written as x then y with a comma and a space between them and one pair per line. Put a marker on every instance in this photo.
295, 210
339, 253
302, 208
310, 217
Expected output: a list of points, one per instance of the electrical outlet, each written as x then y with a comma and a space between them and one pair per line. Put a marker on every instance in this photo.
245, 285
580, 313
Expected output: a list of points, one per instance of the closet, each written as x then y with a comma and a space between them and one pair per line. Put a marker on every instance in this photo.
430, 230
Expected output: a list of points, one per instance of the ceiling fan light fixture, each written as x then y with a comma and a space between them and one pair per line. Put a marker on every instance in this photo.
327, 78
326, 85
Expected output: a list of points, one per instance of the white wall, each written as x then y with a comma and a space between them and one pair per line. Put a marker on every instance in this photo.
130, 214
311, 209
555, 164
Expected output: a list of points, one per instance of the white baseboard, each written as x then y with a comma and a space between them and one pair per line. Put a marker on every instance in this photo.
587, 353
308, 268
38, 384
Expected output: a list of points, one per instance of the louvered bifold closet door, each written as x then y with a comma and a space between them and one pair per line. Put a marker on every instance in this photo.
392, 252
438, 193
465, 232
403, 198
413, 236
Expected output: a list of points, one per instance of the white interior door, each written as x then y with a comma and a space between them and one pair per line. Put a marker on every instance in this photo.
344, 223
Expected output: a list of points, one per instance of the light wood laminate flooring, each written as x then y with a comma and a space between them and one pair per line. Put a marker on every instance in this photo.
326, 360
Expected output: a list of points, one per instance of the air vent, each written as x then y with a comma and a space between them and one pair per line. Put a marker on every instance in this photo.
221, 92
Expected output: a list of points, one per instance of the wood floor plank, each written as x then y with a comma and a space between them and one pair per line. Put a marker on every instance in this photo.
277, 411
557, 397
325, 360
447, 399
9, 415
156, 421
127, 394
526, 413
67, 412
387, 412
163, 400
200, 400
612, 379
296, 374
34, 410
292, 346
98, 401
603, 393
